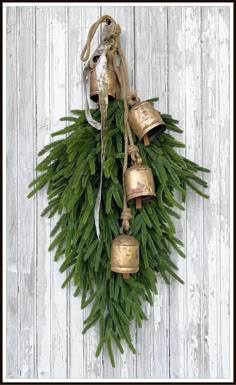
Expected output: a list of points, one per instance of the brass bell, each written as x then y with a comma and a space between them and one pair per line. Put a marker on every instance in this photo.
139, 184
113, 85
146, 122
125, 255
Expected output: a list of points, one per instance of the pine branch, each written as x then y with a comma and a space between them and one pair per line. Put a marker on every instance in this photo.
71, 171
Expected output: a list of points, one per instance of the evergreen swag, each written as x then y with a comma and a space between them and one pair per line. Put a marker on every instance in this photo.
71, 171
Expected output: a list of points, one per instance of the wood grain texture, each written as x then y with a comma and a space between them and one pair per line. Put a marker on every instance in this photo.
26, 217
12, 206
176, 107
151, 81
180, 54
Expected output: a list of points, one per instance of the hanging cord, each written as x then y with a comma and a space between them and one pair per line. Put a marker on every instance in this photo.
104, 56
111, 41
86, 50
130, 98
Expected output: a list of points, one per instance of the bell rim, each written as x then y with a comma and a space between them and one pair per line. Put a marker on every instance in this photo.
149, 128
124, 270
95, 92
141, 194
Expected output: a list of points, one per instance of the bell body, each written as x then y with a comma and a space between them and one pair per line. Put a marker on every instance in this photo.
113, 85
139, 182
145, 120
125, 254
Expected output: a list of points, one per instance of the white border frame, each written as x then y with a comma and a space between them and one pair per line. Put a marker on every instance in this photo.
194, 4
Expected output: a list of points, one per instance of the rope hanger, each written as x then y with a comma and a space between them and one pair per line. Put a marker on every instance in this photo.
107, 52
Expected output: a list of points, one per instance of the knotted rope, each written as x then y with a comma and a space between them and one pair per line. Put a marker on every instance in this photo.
104, 56
130, 148
110, 46
86, 50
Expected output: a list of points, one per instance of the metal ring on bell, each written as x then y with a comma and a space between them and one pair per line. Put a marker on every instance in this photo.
139, 184
125, 255
146, 122
113, 85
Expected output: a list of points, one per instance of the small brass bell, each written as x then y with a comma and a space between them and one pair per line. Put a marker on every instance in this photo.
139, 184
146, 122
125, 255
113, 85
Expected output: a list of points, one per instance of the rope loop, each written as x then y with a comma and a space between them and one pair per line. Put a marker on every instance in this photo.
111, 34
111, 43
132, 98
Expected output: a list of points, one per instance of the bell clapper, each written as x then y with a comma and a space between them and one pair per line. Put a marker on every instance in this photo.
126, 275
146, 140
138, 203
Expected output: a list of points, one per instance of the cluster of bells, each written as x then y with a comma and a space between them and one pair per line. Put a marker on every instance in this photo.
147, 124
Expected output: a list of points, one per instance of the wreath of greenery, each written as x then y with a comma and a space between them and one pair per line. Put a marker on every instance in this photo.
71, 171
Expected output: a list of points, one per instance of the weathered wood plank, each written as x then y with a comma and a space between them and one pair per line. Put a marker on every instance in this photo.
225, 183
92, 367
194, 215
83, 363
176, 107
76, 342
223, 109
11, 196
43, 228
26, 208
180, 54
58, 107
211, 208
150, 81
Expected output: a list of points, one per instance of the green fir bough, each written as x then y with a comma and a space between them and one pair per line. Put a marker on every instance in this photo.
71, 170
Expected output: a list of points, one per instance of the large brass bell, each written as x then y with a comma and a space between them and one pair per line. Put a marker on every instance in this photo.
139, 184
125, 255
146, 122
113, 85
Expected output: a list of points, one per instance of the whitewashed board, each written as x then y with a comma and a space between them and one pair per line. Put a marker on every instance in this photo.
180, 54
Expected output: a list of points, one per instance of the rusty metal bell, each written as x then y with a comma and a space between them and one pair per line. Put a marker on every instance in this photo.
139, 184
113, 85
125, 255
146, 122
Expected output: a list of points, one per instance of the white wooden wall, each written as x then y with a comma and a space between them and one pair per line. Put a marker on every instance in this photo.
180, 54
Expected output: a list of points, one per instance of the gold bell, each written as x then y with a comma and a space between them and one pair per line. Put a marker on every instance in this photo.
139, 184
125, 255
146, 122
113, 85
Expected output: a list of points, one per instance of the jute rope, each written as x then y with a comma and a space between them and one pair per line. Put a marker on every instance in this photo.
112, 38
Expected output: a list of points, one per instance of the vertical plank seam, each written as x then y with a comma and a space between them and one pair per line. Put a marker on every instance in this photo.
203, 205
66, 110
36, 197
218, 275
50, 221
17, 187
202, 328
186, 206
185, 212
168, 106
134, 43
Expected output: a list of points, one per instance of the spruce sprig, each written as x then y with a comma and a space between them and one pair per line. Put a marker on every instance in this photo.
70, 169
